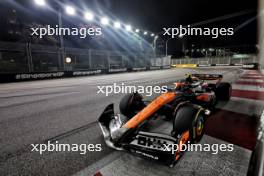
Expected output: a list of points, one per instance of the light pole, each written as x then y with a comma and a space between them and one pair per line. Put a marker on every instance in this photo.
183, 48
89, 16
167, 46
70, 11
61, 39
155, 40
155, 43
192, 50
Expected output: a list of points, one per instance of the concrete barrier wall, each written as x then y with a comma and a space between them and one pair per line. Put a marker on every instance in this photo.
261, 34
256, 165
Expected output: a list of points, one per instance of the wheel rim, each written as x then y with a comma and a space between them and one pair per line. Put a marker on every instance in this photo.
230, 92
199, 126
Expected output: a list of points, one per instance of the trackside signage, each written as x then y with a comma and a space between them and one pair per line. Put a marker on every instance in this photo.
39, 75
9, 77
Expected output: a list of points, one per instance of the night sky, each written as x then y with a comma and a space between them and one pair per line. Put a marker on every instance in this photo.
153, 15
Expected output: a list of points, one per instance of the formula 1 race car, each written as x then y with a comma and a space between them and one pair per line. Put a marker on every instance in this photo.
185, 107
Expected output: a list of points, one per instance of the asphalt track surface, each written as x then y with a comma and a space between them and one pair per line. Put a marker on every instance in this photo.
66, 110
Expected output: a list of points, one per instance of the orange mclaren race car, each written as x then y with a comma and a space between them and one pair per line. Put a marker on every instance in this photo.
185, 108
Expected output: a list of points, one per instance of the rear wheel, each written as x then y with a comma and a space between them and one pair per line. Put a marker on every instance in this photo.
223, 91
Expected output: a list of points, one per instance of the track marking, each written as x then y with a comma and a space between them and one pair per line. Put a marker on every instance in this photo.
256, 95
236, 128
250, 83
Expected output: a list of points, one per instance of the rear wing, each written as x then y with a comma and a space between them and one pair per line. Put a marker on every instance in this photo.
208, 76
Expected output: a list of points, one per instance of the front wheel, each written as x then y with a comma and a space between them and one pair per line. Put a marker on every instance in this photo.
190, 118
198, 128
130, 104
189, 122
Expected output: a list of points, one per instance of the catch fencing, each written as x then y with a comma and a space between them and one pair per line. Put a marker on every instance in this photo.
32, 58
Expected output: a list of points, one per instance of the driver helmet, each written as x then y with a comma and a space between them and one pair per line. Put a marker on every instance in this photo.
190, 78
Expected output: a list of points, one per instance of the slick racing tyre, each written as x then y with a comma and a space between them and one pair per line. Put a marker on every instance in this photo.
223, 91
190, 118
130, 104
198, 128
